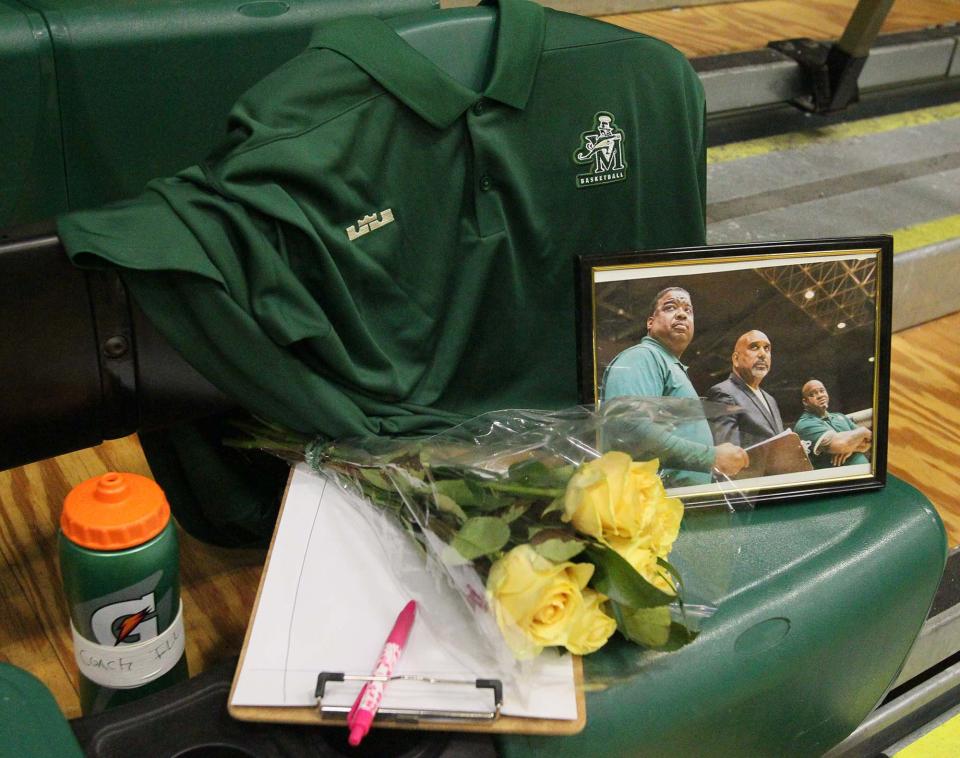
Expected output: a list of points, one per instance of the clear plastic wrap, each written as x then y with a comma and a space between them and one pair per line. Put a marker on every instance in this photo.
549, 529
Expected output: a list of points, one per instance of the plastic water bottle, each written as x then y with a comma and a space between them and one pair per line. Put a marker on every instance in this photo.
119, 563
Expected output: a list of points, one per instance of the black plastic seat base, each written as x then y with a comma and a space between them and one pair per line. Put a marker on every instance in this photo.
190, 720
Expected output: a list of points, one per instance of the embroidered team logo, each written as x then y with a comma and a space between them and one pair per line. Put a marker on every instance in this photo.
602, 149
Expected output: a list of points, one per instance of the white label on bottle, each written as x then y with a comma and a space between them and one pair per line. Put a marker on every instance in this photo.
127, 665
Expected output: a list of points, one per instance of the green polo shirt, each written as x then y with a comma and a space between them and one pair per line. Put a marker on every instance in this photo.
811, 428
375, 248
649, 369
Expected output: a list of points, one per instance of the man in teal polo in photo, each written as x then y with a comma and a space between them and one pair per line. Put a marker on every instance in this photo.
652, 368
831, 439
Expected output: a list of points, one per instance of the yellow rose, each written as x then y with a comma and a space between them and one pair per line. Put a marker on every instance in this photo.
591, 628
639, 554
535, 599
665, 525
613, 497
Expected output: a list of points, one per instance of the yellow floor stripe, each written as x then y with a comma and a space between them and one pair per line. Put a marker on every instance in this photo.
927, 233
941, 742
877, 125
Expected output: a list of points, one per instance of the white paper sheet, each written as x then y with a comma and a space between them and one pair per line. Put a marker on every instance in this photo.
327, 604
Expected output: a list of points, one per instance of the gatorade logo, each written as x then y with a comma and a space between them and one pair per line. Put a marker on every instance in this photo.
126, 622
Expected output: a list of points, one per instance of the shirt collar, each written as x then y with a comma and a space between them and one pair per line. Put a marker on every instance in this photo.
429, 91
657, 345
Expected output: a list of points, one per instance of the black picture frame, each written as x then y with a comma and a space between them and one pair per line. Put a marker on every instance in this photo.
824, 304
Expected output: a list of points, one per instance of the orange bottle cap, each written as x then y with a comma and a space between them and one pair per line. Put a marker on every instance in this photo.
114, 511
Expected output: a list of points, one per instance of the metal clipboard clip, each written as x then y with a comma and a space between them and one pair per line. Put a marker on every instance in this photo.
412, 715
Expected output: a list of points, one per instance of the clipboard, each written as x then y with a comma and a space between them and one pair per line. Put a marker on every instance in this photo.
258, 666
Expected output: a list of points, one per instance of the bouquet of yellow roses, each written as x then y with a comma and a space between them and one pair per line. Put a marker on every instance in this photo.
560, 544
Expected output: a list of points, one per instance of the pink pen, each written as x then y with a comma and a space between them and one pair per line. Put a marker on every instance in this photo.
368, 701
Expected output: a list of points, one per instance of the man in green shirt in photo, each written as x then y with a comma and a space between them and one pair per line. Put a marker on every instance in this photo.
831, 439
652, 368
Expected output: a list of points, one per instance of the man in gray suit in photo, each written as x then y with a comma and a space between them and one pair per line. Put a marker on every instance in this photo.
759, 417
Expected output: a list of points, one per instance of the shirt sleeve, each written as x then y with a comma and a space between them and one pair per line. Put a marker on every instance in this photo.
812, 430
676, 451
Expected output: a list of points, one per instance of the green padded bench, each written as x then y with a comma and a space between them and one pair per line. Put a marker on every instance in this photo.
32, 185
30, 720
100, 96
820, 610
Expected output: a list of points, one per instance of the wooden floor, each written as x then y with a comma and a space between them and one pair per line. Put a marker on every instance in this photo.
735, 27
219, 585
924, 443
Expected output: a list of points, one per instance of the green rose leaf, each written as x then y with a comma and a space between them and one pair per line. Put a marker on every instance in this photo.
562, 474
453, 488
398, 452
649, 627
467, 494
534, 473
533, 530
374, 477
652, 627
677, 580
619, 581
559, 550
450, 557
514, 512
531, 473
413, 473
404, 480
555, 505
679, 636
481, 536
449, 505
482, 498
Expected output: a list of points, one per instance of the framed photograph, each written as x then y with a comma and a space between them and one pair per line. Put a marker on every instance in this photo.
772, 361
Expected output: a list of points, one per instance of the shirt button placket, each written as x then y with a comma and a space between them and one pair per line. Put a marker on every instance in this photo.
489, 216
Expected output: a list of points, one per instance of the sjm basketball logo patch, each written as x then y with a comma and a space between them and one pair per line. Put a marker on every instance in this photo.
602, 149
